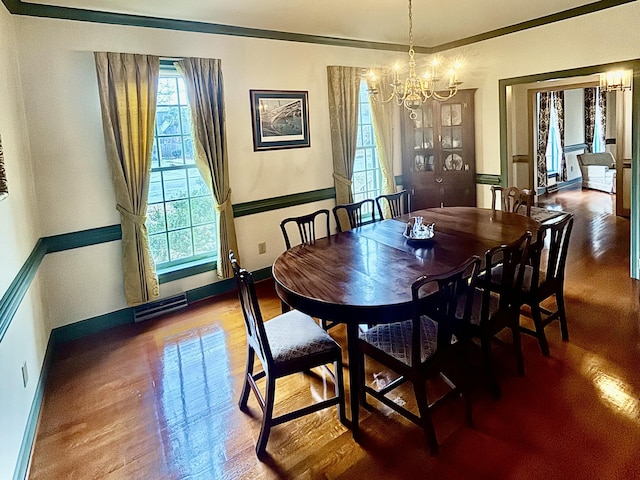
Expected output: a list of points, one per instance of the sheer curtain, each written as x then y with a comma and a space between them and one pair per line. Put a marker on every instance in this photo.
383, 123
203, 79
128, 87
344, 86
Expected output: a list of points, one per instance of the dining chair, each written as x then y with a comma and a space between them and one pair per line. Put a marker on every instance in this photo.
544, 278
424, 346
306, 226
497, 301
398, 203
356, 213
289, 343
512, 199
307, 229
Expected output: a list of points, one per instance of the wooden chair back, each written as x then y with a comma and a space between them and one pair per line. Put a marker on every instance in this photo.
253, 321
398, 204
559, 233
513, 199
306, 226
439, 297
355, 213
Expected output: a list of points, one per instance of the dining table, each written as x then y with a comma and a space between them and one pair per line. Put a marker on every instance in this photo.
364, 275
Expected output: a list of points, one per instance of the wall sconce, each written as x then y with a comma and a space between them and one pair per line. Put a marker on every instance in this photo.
616, 81
4, 189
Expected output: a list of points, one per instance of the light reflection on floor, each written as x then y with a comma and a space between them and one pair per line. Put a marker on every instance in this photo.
194, 394
613, 391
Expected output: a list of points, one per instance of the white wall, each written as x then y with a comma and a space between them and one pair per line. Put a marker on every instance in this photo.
74, 191
25, 340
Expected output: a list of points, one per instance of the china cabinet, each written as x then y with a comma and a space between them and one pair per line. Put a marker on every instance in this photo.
438, 154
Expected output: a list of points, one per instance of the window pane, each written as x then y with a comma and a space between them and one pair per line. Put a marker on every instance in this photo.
155, 218
175, 184
359, 182
177, 214
155, 161
185, 113
155, 188
359, 164
180, 244
204, 239
202, 210
167, 91
197, 187
168, 120
189, 157
367, 136
170, 151
158, 247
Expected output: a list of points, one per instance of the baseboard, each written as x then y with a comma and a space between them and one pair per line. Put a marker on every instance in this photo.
29, 436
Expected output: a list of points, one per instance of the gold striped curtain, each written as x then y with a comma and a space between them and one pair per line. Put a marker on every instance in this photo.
128, 85
344, 87
203, 79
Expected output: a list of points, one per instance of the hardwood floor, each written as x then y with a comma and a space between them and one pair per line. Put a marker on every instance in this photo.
158, 400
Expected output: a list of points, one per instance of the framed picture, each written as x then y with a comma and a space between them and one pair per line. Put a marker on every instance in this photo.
280, 119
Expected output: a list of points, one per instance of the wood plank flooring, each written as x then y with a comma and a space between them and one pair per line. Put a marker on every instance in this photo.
158, 400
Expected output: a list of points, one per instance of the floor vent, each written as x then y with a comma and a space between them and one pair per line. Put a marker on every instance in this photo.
160, 307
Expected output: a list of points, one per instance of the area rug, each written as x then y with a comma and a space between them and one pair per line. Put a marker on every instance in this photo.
543, 215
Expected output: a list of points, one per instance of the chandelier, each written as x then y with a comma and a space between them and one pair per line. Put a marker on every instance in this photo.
616, 81
413, 91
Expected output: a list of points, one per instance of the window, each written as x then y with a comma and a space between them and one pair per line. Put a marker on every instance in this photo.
180, 213
367, 176
554, 143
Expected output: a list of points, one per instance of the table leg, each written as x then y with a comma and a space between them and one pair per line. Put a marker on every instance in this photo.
354, 377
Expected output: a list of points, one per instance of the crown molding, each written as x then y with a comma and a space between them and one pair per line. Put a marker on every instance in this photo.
18, 7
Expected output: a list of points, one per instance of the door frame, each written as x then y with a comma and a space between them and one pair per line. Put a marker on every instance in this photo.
633, 65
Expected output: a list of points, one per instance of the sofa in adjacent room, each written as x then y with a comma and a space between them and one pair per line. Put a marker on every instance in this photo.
598, 171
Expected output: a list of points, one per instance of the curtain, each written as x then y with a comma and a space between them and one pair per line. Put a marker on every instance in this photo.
558, 104
382, 120
344, 87
589, 116
544, 116
602, 101
203, 80
128, 87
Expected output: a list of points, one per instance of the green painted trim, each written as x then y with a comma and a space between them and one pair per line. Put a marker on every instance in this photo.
18, 7
182, 271
93, 325
487, 179
29, 435
635, 174
634, 65
12, 298
268, 204
84, 238
536, 22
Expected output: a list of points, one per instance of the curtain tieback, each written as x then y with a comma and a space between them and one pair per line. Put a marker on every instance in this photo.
225, 204
139, 219
343, 180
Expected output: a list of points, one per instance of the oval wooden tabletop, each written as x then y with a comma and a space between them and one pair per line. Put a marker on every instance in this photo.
365, 275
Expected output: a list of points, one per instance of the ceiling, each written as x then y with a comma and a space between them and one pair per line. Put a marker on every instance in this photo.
436, 22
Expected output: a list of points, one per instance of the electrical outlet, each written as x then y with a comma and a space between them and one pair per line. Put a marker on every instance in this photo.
25, 375
262, 248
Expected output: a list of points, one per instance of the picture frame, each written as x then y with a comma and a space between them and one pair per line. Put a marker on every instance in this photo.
280, 119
